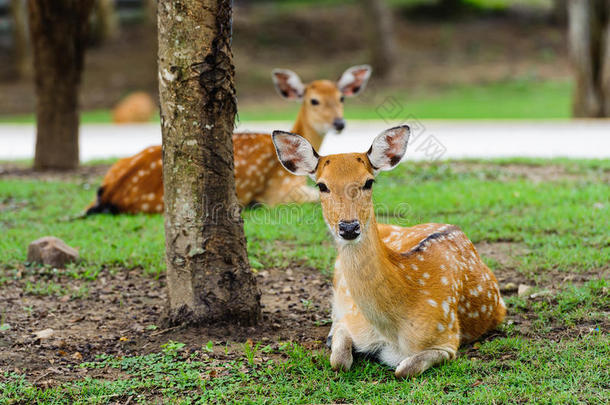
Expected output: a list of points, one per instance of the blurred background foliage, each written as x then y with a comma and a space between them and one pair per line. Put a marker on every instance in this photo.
452, 58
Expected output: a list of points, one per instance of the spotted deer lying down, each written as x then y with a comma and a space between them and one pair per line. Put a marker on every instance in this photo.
409, 296
135, 184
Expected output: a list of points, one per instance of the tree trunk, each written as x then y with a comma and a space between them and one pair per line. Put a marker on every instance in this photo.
208, 274
150, 11
58, 30
589, 51
380, 37
106, 21
559, 12
21, 42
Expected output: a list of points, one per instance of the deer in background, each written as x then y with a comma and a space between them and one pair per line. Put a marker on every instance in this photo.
409, 296
135, 184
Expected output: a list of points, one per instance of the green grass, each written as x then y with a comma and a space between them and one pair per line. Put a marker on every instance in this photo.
513, 370
515, 99
561, 225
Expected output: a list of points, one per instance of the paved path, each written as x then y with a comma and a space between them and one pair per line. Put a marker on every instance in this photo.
430, 139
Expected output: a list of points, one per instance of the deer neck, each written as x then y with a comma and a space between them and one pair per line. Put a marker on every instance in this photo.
306, 130
370, 270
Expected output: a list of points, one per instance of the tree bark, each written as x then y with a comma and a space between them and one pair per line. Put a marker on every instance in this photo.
106, 21
150, 11
588, 39
559, 12
21, 41
209, 277
380, 37
58, 30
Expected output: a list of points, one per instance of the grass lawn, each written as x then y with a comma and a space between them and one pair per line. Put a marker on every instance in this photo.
515, 99
539, 222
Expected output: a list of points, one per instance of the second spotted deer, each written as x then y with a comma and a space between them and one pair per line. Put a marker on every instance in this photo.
409, 296
135, 184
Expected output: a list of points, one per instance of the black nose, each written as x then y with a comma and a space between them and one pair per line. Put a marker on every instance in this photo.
339, 124
349, 230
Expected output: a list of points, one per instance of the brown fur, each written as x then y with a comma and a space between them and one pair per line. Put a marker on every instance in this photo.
136, 107
132, 185
412, 295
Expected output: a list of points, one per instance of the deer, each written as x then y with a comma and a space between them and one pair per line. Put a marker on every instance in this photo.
408, 296
135, 184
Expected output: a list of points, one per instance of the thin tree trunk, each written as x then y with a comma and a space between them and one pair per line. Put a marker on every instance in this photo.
107, 20
605, 63
150, 11
23, 57
380, 37
58, 30
209, 277
559, 12
584, 38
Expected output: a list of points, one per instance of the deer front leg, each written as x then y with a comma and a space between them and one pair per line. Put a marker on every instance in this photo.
341, 349
420, 362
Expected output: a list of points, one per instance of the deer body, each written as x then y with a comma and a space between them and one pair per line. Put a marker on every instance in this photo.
135, 184
410, 296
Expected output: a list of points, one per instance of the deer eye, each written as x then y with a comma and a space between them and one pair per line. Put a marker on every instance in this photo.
368, 184
323, 188
342, 98
314, 101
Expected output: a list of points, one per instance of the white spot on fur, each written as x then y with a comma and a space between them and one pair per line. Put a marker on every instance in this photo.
445, 306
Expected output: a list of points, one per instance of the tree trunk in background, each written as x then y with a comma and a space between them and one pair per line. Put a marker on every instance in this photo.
21, 41
208, 274
382, 44
589, 43
451, 6
559, 13
150, 11
107, 20
58, 30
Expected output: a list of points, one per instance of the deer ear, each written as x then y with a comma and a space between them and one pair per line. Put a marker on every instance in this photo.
295, 153
388, 148
288, 84
354, 80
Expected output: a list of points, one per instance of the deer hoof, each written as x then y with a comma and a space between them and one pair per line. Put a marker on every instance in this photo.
341, 360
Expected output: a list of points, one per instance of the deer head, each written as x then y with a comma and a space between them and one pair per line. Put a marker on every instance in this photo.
346, 180
322, 100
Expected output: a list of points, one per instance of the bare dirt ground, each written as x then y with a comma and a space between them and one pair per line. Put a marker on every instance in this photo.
432, 54
116, 315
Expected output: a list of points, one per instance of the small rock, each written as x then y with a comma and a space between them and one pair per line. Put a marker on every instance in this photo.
523, 290
51, 251
44, 334
543, 293
287, 289
508, 288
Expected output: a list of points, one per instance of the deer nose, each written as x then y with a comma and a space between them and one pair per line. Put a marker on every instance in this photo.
339, 124
349, 230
